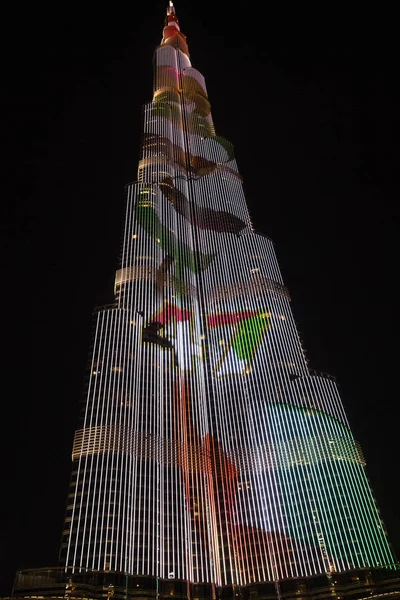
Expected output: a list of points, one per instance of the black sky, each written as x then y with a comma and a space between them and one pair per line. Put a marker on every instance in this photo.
307, 98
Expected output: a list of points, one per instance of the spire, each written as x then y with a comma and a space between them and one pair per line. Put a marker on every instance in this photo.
172, 35
172, 19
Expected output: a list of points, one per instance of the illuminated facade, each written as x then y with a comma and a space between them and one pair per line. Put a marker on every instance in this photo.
207, 451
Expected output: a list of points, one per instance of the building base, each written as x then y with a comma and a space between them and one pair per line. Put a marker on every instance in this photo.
360, 584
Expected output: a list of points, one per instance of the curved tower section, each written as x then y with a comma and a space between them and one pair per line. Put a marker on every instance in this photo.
207, 450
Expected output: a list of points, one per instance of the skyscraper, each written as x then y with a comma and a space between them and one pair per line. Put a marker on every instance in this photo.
207, 452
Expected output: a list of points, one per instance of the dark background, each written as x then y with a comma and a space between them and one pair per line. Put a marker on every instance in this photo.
307, 98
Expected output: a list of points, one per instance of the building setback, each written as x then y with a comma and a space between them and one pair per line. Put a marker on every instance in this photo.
207, 452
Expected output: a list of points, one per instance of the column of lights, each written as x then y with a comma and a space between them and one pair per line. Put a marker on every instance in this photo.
207, 503
364, 495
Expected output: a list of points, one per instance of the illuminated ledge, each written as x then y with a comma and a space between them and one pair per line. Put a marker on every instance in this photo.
149, 273
138, 273
58, 582
153, 162
102, 307
114, 438
298, 452
146, 446
260, 284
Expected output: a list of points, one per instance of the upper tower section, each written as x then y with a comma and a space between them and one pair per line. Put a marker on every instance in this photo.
172, 35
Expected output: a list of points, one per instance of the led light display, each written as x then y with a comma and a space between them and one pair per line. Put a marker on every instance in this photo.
207, 450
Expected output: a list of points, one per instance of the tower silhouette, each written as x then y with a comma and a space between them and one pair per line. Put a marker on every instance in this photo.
210, 460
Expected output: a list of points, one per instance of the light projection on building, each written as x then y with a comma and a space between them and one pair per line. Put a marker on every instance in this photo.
207, 449
245, 330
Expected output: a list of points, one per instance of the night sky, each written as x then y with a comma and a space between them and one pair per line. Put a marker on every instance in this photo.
307, 98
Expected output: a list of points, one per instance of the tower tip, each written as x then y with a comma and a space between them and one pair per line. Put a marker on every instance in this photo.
172, 34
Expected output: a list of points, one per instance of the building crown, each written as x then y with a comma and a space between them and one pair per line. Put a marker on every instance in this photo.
172, 34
